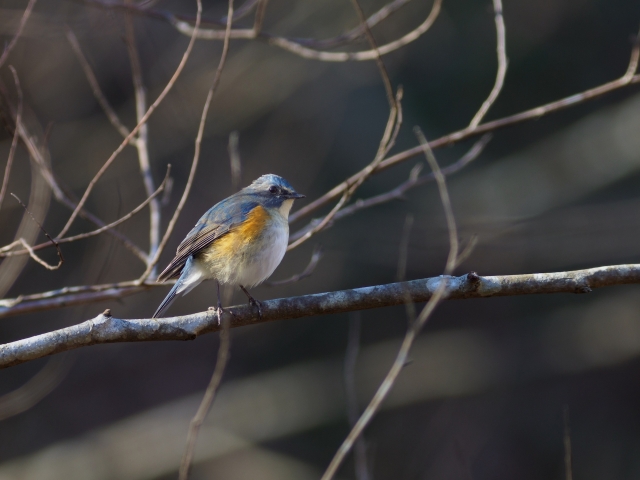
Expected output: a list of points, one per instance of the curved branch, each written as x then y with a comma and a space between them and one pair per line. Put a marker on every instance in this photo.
301, 47
532, 114
107, 329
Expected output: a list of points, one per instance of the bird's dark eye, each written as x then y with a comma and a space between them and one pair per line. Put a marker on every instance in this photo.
273, 189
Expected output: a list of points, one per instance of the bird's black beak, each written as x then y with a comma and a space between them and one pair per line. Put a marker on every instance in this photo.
295, 195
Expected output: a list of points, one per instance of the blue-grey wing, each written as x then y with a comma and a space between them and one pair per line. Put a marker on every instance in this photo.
215, 223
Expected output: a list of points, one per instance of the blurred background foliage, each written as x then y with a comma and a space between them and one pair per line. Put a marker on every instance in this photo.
489, 380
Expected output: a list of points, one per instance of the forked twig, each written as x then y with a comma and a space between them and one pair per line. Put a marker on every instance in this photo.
223, 350
142, 140
311, 54
630, 77
135, 130
392, 128
398, 193
93, 233
196, 154
401, 357
306, 48
502, 66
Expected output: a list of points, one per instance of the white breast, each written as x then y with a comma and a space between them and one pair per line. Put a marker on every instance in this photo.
260, 262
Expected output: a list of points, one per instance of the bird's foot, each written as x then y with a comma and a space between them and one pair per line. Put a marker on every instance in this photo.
253, 302
218, 311
258, 304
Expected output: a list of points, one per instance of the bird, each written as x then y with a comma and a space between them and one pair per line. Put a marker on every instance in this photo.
239, 241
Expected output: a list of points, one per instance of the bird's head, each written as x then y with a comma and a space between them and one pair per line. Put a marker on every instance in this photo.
273, 191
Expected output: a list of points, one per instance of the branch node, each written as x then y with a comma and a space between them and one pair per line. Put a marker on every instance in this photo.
473, 277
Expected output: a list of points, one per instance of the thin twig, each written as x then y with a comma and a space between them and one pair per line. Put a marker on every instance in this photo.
350, 358
568, 469
95, 85
223, 350
142, 139
196, 154
38, 151
366, 55
307, 272
207, 399
21, 25
392, 128
93, 233
502, 66
356, 32
134, 132
449, 139
299, 47
398, 193
261, 11
14, 141
403, 353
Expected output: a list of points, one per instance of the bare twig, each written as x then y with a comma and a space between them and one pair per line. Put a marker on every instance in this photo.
95, 86
356, 32
502, 66
196, 154
365, 55
207, 400
108, 329
14, 40
307, 272
414, 329
93, 233
142, 139
534, 113
32, 254
568, 470
261, 11
398, 193
38, 151
134, 132
350, 358
299, 47
14, 141
394, 122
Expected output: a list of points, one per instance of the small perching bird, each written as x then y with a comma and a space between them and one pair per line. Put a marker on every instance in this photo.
239, 241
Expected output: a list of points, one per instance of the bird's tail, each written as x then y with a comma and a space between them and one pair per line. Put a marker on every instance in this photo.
191, 276
168, 300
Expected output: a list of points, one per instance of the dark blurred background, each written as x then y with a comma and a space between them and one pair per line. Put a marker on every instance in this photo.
490, 379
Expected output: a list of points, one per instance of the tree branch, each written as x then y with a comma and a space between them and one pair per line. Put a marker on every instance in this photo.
107, 329
629, 78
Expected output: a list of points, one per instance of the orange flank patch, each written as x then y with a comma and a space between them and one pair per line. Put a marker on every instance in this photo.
240, 236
